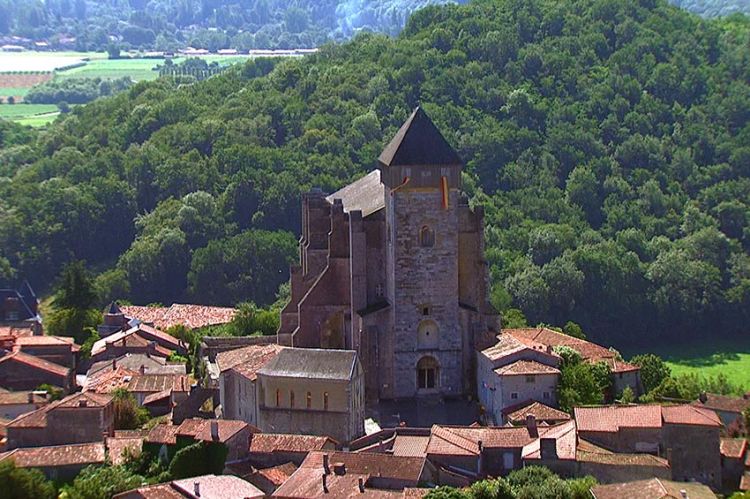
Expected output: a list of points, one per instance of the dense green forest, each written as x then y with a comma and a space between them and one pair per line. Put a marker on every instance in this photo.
218, 24
608, 140
210, 24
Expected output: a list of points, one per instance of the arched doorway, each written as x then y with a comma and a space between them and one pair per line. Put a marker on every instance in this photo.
428, 374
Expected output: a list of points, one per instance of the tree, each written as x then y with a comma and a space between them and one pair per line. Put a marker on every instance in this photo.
128, 414
653, 370
198, 459
627, 396
63, 107
22, 483
102, 482
75, 289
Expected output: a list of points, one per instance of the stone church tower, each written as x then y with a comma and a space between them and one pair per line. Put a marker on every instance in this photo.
392, 266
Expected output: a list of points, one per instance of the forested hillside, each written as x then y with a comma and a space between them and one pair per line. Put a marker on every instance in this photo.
608, 140
219, 24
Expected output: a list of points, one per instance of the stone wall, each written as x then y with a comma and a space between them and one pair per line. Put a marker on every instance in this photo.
693, 453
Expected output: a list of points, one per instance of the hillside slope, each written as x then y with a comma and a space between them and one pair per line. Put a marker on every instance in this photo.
607, 140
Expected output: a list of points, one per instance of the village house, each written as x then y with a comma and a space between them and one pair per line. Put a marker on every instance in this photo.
346, 474
21, 371
19, 308
623, 373
312, 391
392, 267
514, 371
164, 440
135, 362
58, 349
687, 436
729, 409
654, 488
125, 443
13, 404
118, 318
270, 479
140, 339
734, 451
238, 375
206, 486
79, 418
267, 449
518, 414
59, 462
398, 441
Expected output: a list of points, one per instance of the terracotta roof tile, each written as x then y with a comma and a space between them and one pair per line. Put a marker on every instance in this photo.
36, 362
152, 383
45, 340
107, 381
157, 397
591, 352
733, 448
218, 487
525, 367
724, 403
517, 413
654, 488
745, 481
621, 459
612, 418
38, 418
117, 446
59, 455
690, 415
410, 446
191, 316
163, 434
13, 398
278, 474
247, 360
228, 428
508, 344
464, 440
277, 442
159, 491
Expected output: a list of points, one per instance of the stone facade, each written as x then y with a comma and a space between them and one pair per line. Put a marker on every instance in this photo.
392, 267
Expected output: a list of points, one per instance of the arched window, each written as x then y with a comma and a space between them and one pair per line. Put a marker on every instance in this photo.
428, 373
426, 237
325, 401
427, 334
309, 400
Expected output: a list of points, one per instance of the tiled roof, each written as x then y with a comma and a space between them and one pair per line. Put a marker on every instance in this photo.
107, 381
191, 316
612, 418
218, 487
163, 434
159, 491
508, 344
517, 413
138, 336
59, 455
724, 403
418, 142
38, 418
311, 363
278, 442
247, 360
621, 459
591, 352
13, 398
525, 367
654, 488
152, 364
565, 438
733, 448
36, 362
157, 397
116, 447
464, 440
410, 446
227, 429
307, 480
152, 383
278, 474
47, 341
690, 415
366, 194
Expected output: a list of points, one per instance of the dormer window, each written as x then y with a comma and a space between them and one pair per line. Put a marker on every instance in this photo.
426, 237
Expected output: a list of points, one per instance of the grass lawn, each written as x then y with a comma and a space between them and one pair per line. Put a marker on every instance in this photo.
15, 91
29, 114
710, 358
137, 69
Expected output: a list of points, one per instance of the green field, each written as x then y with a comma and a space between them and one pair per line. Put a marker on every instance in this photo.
29, 114
13, 91
710, 358
137, 69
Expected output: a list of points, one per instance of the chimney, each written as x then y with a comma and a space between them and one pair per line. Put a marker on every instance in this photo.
142, 369
683, 494
325, 483
214, 430
114, 364
531, 425
361, 482
703, 397
326, 468
197, 489
31, 397
548, 448
82, 403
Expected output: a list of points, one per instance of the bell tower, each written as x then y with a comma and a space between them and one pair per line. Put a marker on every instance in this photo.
421, 173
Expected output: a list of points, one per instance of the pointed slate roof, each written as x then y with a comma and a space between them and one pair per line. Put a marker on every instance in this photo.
114, 309
418, 142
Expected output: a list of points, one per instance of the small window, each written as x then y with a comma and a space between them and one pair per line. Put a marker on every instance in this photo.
309, 400
514, 396
291, 399
379, 290
426, 237
425, 310
530, 379
278, 397
325, 401
545, 395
